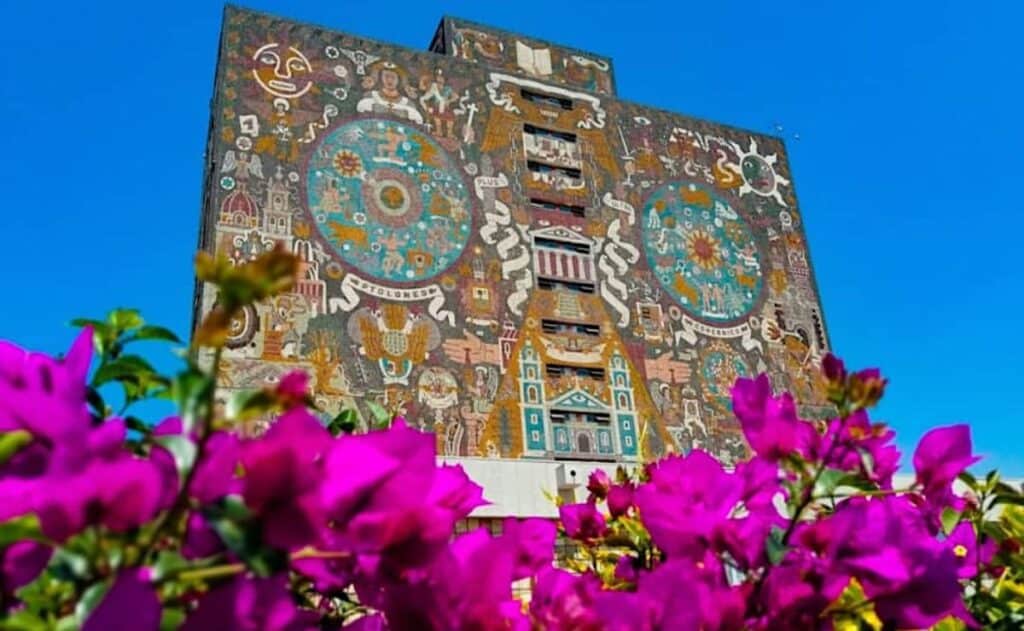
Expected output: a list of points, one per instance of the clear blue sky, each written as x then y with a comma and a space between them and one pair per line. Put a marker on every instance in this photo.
910, 135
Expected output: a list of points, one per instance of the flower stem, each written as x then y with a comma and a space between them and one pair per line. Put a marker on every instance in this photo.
181, 501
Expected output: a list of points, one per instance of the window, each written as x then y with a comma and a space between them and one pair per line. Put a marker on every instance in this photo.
551, 284
574, 416
533, 130
555, 327
559, 370
546, 169
546, 99
558, 244
481, 293
541, 204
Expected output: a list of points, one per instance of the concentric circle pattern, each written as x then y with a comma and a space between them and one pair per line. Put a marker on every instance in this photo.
389, 200
703, 252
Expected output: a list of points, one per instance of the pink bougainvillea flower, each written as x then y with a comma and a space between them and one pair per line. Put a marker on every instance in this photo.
200, 539
283, 473
886, 545
770, 424
561, 599
130, 605
582, 522
534, 543
20, 563
942, 454
46, 396
215, 472
686, 499
969, 553
386, 495
681, 595
468, 587
250, 604
293, 389
620, 499
598, 483
121, 494
625, 569
833, 369
855, 444
866, 387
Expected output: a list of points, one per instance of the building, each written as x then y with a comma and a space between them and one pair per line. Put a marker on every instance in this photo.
498, 247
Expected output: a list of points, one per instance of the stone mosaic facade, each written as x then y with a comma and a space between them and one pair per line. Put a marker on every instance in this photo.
496, 246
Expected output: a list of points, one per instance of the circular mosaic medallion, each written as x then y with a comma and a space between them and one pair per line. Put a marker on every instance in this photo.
720, 367
389, 200
703, 252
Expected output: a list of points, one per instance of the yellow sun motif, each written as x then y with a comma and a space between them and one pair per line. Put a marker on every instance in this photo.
348, 163
703, 249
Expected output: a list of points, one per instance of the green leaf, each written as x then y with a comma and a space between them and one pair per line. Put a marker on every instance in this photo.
773, 546
867, 461
242, 535
124, 366
69, 565
125, 319
23, 620
151, 332
1009, 500
166, 564
968, 478
81, 323
95, 399
171, 618
344, 423
89, 600
13, 442
182, 449
20, 529
829, 481
249, 404
192, 390
136, 424
991, 478
381, 417
950, 518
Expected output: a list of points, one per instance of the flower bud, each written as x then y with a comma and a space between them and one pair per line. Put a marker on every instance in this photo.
598, 483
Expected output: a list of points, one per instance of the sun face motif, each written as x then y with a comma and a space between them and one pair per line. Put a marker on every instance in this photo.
758, 172
703, 249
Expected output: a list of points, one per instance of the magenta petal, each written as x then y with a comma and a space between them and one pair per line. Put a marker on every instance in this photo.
941, 455
534, 541
130, 605
582, 521
21, 563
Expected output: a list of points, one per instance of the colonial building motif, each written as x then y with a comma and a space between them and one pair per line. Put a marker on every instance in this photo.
495, 245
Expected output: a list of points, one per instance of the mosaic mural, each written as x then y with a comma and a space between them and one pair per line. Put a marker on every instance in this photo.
494, 245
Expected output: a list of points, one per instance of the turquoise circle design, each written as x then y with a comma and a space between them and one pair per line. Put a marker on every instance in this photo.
703, 252
389, 200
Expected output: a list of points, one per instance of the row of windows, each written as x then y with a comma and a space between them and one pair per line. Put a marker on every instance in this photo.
555, 327
560, 370
575, 416
546, 99
540, 167
558, 244
553, 283
542, 204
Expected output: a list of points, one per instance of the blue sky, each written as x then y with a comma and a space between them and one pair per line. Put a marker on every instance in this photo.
906, 163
